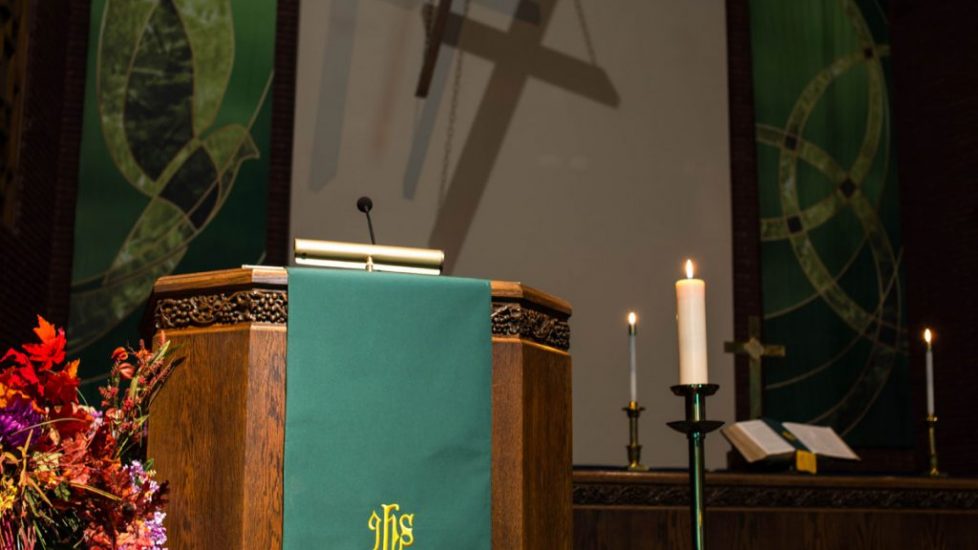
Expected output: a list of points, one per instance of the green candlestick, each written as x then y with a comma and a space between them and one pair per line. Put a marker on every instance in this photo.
696, 427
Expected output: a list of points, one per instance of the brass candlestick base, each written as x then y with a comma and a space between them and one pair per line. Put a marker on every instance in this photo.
932, 439
634, 449
696, 426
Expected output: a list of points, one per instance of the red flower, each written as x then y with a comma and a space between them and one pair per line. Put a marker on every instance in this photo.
51, 350
71, 419
61, 388
119, 354
16, 357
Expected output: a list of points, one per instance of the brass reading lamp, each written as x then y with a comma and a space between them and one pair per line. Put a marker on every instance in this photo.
369, 257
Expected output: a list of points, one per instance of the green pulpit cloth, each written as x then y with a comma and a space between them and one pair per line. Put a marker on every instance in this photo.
388, 412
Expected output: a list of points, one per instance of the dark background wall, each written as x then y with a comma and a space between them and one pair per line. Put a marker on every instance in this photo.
35, 245
935, 66
744, 200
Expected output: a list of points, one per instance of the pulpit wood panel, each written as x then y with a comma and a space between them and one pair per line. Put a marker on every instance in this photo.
217, 431
217, 423
531, 445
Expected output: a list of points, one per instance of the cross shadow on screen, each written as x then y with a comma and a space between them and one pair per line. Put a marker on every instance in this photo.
518, 55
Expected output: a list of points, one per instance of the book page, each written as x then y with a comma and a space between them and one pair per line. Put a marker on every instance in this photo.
767, 439
821, 440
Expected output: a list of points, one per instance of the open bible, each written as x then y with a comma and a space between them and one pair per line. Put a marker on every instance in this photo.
768, 440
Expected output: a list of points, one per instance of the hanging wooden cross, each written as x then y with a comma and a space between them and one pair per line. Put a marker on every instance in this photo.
435, 31
755, 352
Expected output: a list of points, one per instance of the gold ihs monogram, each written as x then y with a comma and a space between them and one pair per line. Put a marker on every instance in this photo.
393, 532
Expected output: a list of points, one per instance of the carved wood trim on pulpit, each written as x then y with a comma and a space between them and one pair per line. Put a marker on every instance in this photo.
261, 296
253, 305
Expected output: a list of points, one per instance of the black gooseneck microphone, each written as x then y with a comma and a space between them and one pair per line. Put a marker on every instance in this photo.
364, 204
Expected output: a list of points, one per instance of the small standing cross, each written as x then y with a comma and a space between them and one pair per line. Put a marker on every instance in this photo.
755, 352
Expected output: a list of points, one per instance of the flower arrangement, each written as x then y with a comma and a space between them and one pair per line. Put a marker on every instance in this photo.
70, 474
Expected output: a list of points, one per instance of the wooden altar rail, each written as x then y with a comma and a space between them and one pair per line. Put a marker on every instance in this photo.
615, 510
217, 429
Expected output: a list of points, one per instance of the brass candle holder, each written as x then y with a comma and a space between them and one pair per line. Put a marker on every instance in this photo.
633, 410
932, 440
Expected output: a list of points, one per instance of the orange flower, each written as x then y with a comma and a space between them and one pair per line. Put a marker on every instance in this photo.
51, 350
126, 370
23, 379
9, 394
159, 339
119, 354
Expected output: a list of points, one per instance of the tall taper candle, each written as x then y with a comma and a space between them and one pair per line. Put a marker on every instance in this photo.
928, 337
691, 321
632, 362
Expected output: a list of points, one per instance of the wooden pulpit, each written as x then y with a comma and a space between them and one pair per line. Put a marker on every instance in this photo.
217, 428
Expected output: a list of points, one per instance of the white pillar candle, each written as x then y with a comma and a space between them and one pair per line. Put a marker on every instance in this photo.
632, 362
930, 373
691, 321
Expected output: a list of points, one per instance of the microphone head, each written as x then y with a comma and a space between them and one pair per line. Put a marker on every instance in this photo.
364, 204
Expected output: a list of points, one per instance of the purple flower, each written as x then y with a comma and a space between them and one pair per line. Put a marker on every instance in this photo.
15, 419
157, 533
139, 477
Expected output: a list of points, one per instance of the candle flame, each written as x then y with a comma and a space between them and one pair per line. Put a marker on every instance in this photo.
632, 318
689, 269
928, 336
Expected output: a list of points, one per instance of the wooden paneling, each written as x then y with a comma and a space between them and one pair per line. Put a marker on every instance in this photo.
531, 482
622, 511
217, 434
265, 434
668, 529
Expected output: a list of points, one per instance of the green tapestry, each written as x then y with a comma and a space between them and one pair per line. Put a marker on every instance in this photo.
174, 162
831, 247
388, 421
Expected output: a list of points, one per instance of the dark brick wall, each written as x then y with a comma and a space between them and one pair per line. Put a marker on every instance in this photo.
35, 253
743, 185
277, 245
935, 66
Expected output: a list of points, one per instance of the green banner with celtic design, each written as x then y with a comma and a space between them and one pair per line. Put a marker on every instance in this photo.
174, 155
831, 252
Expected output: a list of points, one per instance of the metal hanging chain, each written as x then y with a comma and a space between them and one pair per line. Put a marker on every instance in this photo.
428, 21
453, 106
